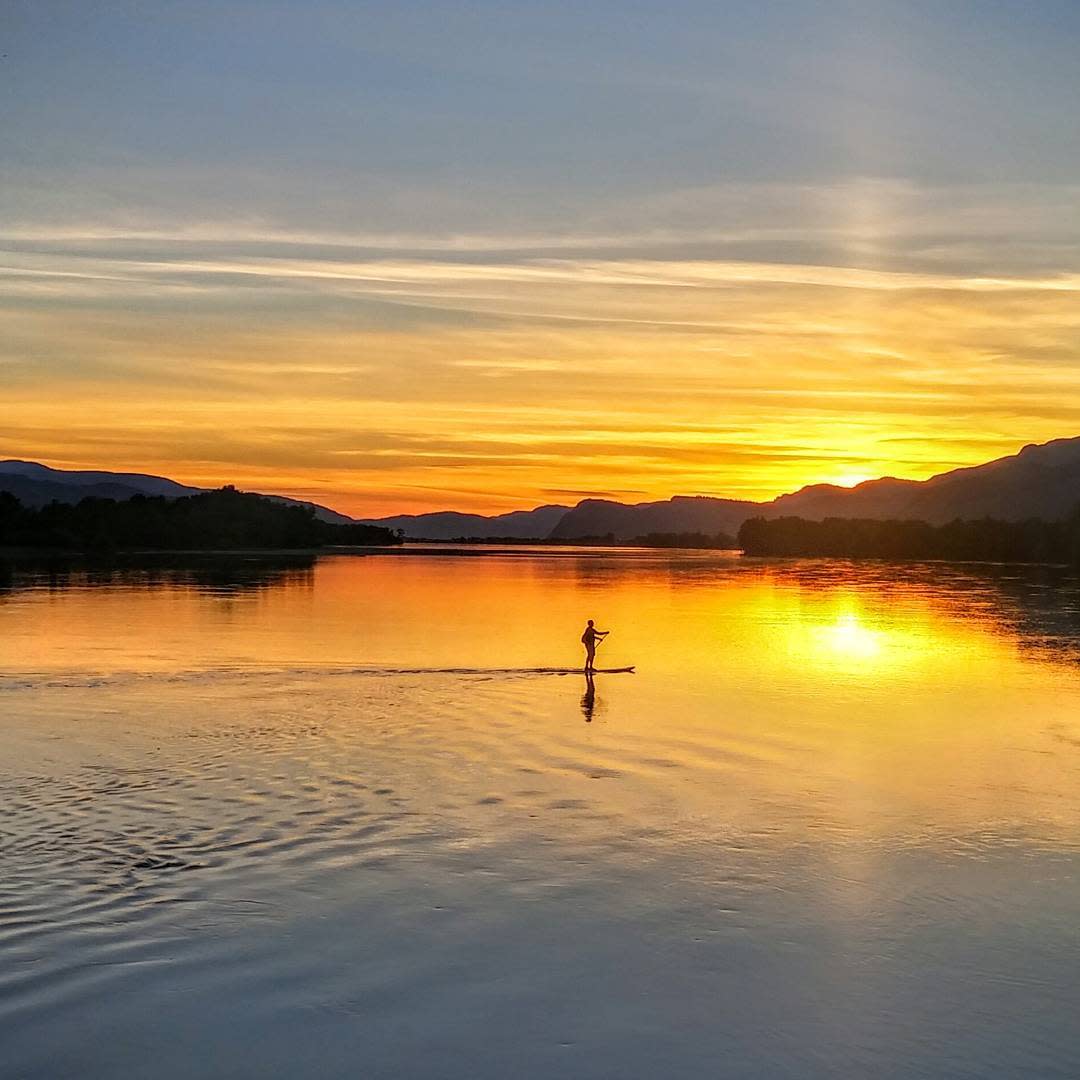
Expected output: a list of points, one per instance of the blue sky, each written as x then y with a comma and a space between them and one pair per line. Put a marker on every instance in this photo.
502, 118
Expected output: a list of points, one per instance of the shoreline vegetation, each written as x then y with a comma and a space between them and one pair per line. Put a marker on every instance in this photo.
984, 540
223, 520
696, 540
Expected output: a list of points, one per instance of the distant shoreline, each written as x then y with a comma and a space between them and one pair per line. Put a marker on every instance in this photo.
409, 547
128, 553
449, 550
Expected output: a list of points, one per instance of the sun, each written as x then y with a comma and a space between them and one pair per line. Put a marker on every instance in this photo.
850, 479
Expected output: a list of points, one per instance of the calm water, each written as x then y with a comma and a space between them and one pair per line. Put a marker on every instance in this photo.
319, 819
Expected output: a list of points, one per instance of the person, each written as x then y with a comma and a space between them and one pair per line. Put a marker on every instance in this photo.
589, 640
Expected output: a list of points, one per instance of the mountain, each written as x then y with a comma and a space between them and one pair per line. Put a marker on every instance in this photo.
1041, 481
140, 482
450, 525
34, 485
682, 514
322, 513
42, 492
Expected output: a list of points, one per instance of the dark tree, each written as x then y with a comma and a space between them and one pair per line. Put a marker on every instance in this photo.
984, 540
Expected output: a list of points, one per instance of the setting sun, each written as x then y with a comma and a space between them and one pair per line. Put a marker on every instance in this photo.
850, 480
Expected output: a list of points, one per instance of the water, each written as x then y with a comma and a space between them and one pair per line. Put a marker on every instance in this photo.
326, 818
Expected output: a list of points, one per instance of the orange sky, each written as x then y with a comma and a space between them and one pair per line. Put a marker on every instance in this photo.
486, 259
508, 384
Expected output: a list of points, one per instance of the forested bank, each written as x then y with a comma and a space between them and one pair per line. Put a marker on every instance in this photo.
985, 540
221, 520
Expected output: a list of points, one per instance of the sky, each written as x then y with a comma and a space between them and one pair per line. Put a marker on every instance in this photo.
405, 256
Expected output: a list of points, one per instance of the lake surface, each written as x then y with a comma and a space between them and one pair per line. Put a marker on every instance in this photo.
324, 819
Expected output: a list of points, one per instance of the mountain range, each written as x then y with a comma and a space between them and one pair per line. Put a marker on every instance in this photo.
1041, 481
37, 485
450, 525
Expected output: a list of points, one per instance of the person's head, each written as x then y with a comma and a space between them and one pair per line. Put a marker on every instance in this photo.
590, 622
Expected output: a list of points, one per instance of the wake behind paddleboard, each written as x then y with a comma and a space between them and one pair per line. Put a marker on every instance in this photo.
488, 672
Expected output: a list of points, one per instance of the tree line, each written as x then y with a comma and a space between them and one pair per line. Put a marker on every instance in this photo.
653, 539
684, 540
983, 540
211, 521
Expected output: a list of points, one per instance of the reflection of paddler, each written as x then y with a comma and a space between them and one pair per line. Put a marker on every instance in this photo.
590, 639
588, 699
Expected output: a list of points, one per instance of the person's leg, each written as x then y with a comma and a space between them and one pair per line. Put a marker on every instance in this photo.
590, 657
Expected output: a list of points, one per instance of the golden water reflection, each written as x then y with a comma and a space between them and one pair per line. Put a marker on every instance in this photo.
700, 617
868, 697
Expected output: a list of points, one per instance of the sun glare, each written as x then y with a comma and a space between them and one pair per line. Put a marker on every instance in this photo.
851, 638
850, 479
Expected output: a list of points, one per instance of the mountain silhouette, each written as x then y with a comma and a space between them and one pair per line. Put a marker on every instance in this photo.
34, 485
1041, 481
682, 514
450, 525
143, 483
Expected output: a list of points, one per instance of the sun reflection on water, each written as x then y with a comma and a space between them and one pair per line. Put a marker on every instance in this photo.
849, 638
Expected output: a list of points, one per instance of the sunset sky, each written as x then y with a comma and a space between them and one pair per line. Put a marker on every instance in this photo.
407, 256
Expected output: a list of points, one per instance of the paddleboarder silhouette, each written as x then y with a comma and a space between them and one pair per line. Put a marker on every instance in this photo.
590, 639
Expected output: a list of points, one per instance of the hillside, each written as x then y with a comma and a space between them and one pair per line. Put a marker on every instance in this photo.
223, 520
35, 485
1041, 481
682, 514
450, 525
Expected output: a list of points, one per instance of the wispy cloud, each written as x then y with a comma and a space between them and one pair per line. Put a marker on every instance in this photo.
482, 370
